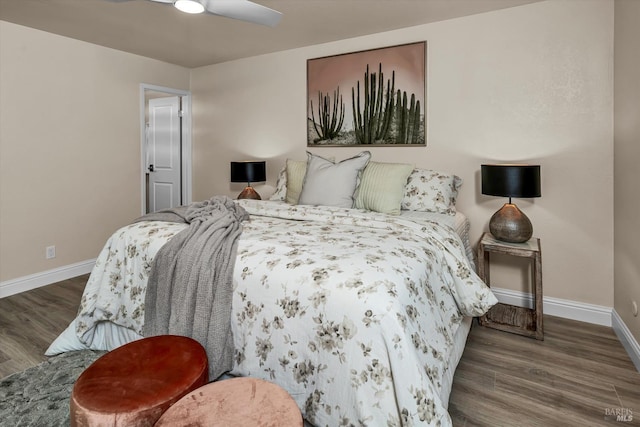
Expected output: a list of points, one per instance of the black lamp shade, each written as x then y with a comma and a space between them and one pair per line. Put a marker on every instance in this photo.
248, 172
520, 181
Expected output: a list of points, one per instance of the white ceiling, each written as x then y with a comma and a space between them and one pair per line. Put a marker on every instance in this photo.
160, 31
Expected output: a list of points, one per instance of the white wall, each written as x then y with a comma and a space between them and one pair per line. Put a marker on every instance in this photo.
532, 83
69, 146
627, 172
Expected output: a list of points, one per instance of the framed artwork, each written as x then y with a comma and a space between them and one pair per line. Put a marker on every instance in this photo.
371, 97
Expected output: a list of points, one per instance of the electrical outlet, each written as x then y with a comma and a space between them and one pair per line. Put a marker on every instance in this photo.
50, 252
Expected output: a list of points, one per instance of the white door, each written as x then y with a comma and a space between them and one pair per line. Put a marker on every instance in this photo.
164, 154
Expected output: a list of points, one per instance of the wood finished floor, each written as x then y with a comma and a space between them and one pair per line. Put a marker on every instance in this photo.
572, 378
578, 374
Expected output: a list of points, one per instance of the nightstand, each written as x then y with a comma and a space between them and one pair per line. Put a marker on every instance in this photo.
505, 317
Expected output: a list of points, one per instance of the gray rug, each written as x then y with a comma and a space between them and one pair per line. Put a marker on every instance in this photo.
39, 396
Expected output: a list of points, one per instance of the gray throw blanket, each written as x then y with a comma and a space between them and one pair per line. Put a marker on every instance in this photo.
190, 286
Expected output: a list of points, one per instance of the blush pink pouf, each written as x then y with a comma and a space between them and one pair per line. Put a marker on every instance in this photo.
247, 402
135, 383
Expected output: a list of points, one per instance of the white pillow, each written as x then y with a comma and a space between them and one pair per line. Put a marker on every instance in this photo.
295, 171
332, 184
431, 191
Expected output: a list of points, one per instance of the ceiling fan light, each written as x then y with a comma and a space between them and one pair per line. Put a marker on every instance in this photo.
189, 6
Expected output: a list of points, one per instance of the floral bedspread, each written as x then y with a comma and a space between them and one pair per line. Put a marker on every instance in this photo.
352, 312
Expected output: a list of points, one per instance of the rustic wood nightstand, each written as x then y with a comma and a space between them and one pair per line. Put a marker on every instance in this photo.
505, 317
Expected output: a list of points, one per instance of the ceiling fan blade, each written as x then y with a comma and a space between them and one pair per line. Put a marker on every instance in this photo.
157, 1
243, 10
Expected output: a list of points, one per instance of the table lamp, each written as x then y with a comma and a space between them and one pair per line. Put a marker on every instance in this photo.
248, 172
510, 224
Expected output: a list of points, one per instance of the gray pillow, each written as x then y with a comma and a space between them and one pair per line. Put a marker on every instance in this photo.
332, 184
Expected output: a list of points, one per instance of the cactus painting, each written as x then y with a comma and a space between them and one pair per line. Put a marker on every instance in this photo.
371, 122
387, 102
330, 119
407, 119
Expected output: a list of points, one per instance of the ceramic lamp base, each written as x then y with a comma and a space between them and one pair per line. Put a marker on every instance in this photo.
249, 193
510, 224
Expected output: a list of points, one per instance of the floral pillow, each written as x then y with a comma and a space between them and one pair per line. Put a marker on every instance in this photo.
281, 186
431, 191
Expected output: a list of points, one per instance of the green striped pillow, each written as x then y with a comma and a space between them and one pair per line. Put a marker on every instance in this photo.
382, 187
295, 169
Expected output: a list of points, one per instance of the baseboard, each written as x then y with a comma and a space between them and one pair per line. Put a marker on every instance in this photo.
626, 338
590, 313
26, 283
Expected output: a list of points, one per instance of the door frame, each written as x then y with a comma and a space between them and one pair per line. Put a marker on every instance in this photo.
187, 164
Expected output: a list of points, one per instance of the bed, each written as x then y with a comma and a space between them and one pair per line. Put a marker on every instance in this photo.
361, 316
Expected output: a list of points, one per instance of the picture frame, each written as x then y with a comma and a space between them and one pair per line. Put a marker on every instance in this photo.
373, 97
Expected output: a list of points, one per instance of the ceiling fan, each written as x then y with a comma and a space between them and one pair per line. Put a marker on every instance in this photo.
243, 10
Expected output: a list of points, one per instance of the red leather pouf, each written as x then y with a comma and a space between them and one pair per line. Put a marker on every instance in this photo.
134, 384
242, 402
